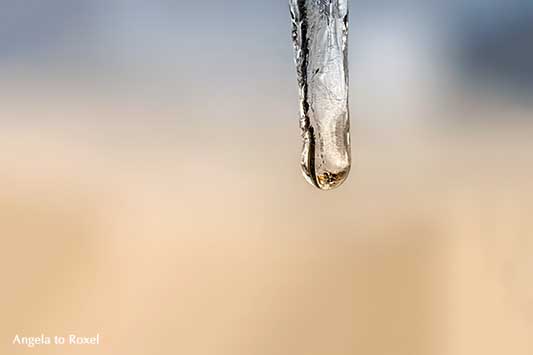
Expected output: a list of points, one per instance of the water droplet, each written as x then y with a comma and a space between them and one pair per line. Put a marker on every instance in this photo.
320, 35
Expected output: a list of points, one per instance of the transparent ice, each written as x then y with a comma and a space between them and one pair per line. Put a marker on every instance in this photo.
320, 35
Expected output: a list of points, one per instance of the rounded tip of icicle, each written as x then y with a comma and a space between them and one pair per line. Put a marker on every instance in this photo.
328, 181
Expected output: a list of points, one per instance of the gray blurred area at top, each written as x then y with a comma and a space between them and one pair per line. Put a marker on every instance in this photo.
484, 43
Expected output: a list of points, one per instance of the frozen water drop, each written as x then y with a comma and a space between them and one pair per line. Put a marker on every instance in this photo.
320, 36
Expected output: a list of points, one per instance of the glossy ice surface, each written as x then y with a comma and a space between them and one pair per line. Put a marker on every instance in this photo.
320, 35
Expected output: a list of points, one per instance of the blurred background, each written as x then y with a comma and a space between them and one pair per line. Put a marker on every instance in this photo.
150, 188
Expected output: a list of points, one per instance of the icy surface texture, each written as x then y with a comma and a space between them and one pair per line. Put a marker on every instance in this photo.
320, 35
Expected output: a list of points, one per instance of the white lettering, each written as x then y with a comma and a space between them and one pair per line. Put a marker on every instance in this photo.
30, 342
77, 340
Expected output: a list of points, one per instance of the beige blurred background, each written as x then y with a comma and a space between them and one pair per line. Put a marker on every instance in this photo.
150, 188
